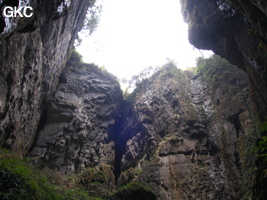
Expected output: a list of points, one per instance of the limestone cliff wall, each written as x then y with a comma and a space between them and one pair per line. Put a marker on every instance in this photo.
33, 53
235, 31
194, 134
186, 135
79, 123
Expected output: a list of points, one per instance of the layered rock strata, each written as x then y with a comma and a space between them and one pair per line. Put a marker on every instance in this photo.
33, 54
189, 137
236, 30
186, 135
79, 123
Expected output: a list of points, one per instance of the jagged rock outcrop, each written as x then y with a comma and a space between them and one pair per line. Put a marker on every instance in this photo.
79, 123
237, 33
236, 30
33, 53
189, 137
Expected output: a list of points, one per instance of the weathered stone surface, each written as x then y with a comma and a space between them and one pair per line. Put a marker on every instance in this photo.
192, 140
133, 192
187, 136
43, 12
238, 32
98, 181
31, 62
79, 121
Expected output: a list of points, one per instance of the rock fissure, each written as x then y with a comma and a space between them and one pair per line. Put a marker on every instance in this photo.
185, 134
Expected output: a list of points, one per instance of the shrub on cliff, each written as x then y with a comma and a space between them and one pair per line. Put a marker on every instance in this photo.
19, 180
133, 191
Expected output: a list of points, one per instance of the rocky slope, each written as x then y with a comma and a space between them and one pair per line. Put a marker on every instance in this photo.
188, 136
33, 53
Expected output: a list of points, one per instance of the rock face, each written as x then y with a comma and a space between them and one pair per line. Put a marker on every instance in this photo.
133, 192
186, 135
79, 126
80, 121
238, 32
189, 137
33, 53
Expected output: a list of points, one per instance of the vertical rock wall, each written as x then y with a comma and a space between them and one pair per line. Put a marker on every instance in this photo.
237, 32
33, 54
186, 135
79, 123
194, 135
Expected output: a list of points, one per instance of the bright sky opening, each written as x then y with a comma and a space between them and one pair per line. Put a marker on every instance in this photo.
135, 34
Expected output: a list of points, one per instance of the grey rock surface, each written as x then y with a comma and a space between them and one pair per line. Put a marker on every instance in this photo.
237, 31
79, 123
31, 62
194, 135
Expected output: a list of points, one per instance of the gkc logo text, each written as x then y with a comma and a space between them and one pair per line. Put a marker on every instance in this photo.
24, 11
15, 8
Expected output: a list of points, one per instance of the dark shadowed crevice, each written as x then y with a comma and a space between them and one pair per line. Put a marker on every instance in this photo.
234, 119
10, 127
119, 149
42, 122
2, 24
124, 129
133, 192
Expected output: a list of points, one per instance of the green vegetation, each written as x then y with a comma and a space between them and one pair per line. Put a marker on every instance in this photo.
261, 148
252, 31
75, 62
75, 56
230, 85
136, 80
217, 71
213, 68
168, 70
264, 126
135, 186
91, 21
93, 17
143, 80
97, 181
22, 181
264, 47
133, 191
